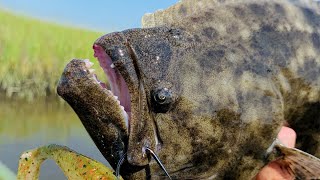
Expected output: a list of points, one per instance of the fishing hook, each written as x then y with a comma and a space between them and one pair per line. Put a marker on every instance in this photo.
155, 157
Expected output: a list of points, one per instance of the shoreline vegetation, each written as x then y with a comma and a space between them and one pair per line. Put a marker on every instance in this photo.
34, 53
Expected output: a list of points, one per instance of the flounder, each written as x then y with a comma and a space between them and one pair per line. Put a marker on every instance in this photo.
206, 85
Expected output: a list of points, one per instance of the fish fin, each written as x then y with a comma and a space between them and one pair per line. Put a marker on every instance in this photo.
299, 164
176, 13
179, 12
310, 4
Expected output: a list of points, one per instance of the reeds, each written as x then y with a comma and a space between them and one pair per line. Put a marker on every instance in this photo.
34, 53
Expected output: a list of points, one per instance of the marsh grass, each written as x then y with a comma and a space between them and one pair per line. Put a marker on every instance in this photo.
33, 54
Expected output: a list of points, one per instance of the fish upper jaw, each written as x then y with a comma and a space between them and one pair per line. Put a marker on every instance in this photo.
117, 60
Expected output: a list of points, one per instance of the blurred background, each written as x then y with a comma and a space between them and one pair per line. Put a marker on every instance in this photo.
37, 39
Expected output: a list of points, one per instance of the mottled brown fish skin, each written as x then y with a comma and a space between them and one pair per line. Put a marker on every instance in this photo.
237, 71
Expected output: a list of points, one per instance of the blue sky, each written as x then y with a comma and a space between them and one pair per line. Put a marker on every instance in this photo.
99, 15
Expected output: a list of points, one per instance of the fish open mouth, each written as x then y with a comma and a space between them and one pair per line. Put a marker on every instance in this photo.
104, 112
117, 84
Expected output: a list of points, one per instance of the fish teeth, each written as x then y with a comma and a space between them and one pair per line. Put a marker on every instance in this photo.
112, 66
91, 70
94, 79
122, 108
126, 118
88, 63
116, 97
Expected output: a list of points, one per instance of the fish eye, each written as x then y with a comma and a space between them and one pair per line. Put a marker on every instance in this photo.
161, 96
162, 100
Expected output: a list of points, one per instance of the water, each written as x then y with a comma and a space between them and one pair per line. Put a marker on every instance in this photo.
25, 126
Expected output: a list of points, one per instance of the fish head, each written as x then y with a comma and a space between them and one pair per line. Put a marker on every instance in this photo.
135, 113
168, 113
141, 59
